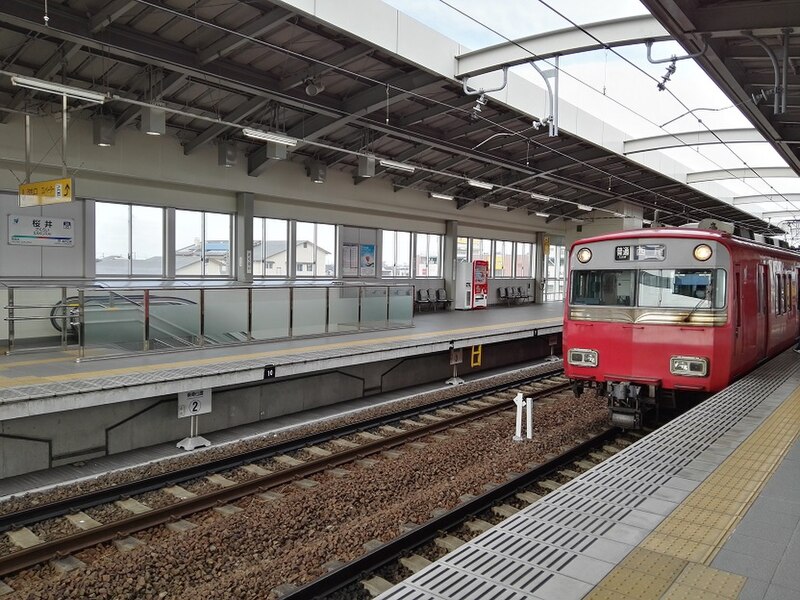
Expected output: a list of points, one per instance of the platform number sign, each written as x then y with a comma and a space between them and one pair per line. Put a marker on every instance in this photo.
196, 402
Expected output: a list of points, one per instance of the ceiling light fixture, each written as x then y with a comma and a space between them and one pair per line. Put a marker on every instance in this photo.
543, 215
269, 136
103, 131
439, 196
154, 120
317, 171
583, 207
537, 196
498, 207
479, 184
393, 164
366, 166
56, 88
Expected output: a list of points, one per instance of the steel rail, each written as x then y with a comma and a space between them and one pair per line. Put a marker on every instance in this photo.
372, 561
22, 559
74, 504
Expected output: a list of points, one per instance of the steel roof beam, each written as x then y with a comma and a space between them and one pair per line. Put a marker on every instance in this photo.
613, 33
765, 198
692, 138
110, 13
230, 42
757, 173
339, 59
65, 52
359, 105
244, 110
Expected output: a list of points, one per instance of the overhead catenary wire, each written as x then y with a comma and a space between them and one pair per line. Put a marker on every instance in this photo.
359, 76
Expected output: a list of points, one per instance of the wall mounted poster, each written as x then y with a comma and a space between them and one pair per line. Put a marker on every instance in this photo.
40, 231
366, 266
350, 260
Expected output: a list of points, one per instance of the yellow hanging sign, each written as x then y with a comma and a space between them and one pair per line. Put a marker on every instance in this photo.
546, 245
54, 191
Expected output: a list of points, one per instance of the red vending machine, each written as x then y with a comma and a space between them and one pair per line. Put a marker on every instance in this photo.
480, 283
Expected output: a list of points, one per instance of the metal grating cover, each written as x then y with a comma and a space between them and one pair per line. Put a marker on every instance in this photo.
555, 546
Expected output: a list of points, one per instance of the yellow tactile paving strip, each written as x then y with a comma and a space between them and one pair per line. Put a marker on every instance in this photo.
672, 562
7, 378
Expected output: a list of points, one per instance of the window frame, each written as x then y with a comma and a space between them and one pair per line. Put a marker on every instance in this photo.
203, 241
129, 228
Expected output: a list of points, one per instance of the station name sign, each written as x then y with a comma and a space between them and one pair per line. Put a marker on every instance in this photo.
41, 193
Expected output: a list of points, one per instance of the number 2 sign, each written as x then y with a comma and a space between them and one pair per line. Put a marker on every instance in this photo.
196, 402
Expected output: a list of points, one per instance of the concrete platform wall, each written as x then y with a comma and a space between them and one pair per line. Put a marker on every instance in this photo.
33, 443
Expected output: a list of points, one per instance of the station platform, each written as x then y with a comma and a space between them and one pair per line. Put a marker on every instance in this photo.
46, 382
707, 506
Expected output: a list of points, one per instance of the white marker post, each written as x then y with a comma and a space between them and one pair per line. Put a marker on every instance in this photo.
191, 404
526, 403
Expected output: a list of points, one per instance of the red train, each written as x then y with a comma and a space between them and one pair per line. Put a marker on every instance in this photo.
655, 311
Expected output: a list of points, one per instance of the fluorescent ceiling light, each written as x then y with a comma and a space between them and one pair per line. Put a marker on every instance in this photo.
543, 215
439, 196
620, 215
56, 88
479, 184
536, 196
269, 136
393, 164
584, 207
499, 207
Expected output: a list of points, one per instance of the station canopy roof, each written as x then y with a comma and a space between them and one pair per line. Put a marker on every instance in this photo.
258, 64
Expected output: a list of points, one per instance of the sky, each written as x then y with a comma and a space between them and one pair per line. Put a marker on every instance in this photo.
616, 91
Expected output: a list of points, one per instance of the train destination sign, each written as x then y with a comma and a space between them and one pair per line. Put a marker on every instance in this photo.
53, 191
641, 252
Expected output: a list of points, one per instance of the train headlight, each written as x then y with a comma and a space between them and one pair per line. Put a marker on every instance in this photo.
703, 252
582, 358
584, 255
688, 366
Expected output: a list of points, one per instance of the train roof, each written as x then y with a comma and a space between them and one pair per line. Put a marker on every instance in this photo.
689, 233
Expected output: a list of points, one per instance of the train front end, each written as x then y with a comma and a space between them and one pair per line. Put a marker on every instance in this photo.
646, 315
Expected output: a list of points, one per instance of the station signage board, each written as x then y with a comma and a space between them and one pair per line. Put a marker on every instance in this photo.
40, 193
196, 402
25, 230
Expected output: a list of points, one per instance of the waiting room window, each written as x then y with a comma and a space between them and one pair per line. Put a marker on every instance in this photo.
315, 245
524, 256
396, 254
202, 244
270, 247
482, 250
462, 249
428, 254
503, 259
129, 240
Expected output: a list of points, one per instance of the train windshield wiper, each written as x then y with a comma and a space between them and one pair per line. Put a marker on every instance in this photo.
696, 306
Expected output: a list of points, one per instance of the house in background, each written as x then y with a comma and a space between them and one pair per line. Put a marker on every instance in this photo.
269, 259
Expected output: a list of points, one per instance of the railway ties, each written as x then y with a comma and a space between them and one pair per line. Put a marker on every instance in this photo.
171, 504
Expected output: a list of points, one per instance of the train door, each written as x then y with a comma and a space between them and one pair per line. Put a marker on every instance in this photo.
762, 311
739, 340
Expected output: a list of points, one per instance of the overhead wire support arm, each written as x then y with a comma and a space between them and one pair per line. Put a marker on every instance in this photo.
552, 96
780, 91
480, 91
673, 58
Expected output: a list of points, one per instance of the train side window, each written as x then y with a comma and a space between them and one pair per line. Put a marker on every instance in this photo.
603, 288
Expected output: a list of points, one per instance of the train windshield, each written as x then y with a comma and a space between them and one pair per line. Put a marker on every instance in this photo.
682, 288
603, 288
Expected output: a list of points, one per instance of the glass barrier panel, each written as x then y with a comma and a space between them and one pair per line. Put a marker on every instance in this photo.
401, 306
270, 313
113, 320
225, 316
308, 311
373, 307
174, 319
343, 309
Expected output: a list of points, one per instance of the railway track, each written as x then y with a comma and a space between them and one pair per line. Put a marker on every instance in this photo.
361, 578
415, 423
